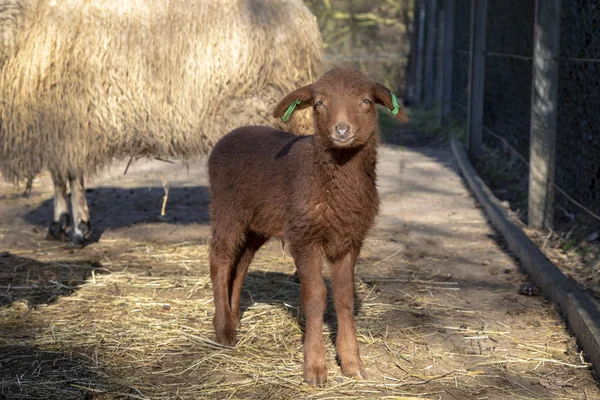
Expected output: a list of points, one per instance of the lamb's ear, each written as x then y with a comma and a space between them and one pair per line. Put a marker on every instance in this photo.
388, 99
297, 100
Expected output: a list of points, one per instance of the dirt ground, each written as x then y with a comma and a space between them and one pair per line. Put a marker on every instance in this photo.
129, 316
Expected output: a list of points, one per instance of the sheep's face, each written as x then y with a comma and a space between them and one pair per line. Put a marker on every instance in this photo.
343, 103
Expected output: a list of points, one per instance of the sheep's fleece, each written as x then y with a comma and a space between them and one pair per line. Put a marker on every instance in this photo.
85, 81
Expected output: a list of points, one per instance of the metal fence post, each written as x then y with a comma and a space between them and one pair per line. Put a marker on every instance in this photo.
476, 76
544, 96
430, 53
447, 59
420, 53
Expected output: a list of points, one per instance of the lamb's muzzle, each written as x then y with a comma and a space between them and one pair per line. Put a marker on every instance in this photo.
342, 133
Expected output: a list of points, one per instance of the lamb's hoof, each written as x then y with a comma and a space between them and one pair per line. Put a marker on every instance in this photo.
354, 372
236, 320
225, 335
316, 374
57, 229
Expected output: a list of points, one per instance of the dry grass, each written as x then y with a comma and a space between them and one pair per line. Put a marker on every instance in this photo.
139, 325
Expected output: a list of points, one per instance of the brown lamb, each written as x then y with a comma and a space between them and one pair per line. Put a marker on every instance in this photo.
318, 193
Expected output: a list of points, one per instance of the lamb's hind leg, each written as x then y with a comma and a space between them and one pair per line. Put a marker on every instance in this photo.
251, 246
62, 219
81, 215
223, 254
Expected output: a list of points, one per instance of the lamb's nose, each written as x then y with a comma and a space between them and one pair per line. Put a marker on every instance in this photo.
342, 128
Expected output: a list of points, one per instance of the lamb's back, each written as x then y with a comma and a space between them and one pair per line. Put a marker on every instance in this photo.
253, 173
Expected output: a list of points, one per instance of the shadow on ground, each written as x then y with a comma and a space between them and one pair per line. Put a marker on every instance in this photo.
29, 373
114, 207
276, 288
39, 282
26, 371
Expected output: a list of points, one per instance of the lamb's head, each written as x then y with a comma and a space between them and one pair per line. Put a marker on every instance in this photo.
343, 102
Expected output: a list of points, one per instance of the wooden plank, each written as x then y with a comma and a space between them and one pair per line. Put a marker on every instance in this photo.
542, 137
476, 76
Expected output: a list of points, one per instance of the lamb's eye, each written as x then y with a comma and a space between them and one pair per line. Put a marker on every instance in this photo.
367, 102
318, 104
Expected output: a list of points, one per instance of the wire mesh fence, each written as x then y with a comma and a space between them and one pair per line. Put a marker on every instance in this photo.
460, 59
510, 60
578, 115
508, 71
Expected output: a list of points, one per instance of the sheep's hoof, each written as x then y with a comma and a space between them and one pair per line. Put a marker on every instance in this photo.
76, 241
78, 236
57, 229
55, 232
85, 228
315, 374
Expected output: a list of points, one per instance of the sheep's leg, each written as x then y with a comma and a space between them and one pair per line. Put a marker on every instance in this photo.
222, 258
81, 214
253, 243
62, 219
314, 300
342, 273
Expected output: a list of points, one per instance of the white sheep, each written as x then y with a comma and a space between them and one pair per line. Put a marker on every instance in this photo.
85, 81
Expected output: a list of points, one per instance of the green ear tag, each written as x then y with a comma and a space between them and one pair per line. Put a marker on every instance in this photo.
395, 104
290, 110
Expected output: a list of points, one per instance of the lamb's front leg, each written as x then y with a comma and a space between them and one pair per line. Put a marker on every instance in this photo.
343, 297
81, 215
314, 301
62, 219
